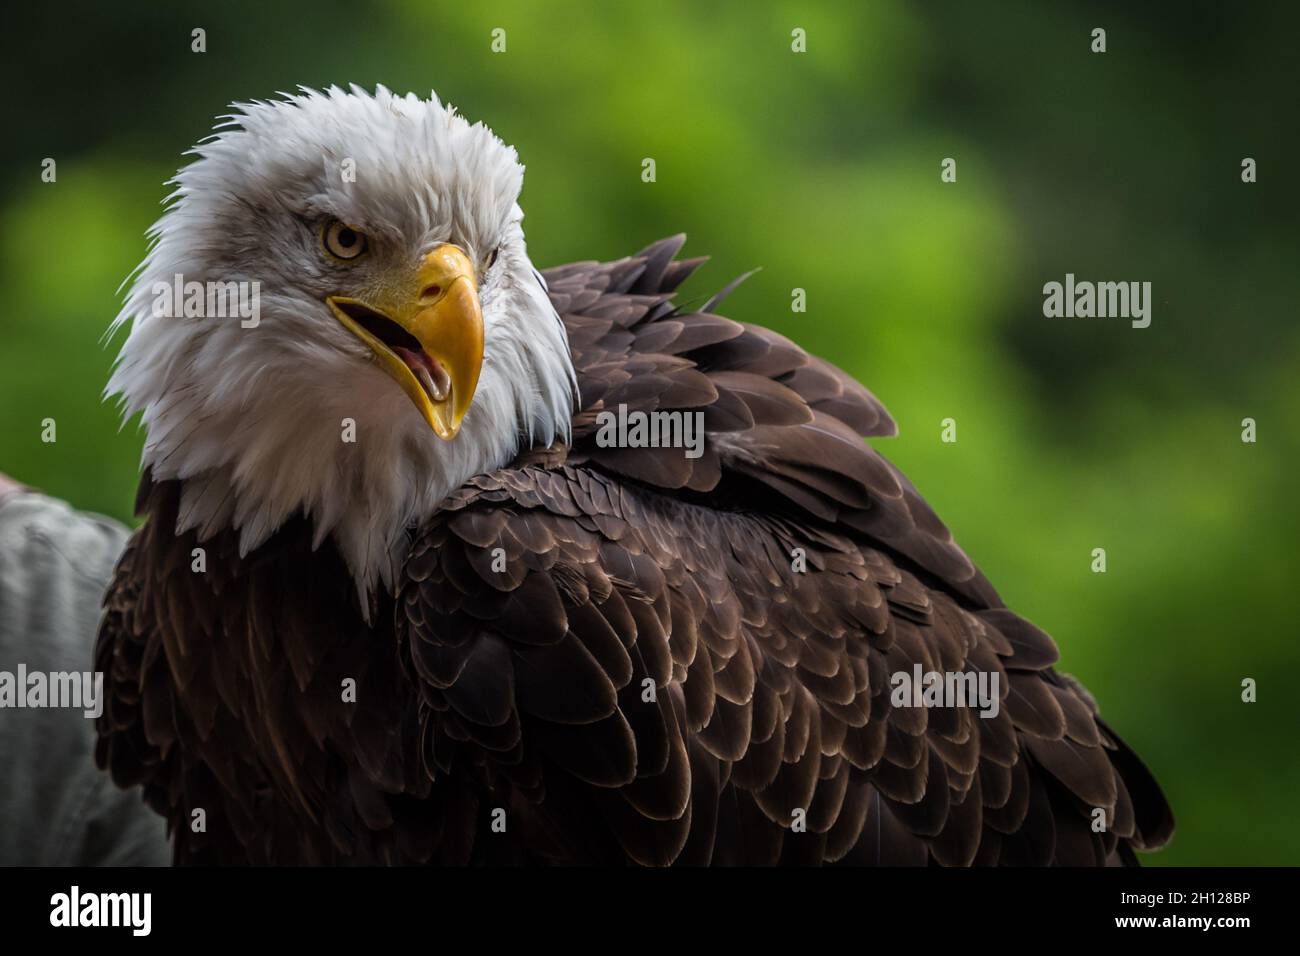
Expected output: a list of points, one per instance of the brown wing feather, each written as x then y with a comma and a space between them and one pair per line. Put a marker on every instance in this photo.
685, 677
778, 683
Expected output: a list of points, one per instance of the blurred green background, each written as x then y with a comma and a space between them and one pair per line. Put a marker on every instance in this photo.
823, 168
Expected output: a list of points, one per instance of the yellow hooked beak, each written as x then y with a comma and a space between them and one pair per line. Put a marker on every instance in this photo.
428, 338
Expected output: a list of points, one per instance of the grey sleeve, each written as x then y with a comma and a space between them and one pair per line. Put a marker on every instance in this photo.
56, 807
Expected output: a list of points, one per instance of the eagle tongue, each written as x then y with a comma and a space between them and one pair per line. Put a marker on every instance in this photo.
428, 372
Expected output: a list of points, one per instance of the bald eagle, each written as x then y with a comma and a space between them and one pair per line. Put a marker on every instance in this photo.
398, 597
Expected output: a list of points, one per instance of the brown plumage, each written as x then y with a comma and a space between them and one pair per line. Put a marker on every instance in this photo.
608, 651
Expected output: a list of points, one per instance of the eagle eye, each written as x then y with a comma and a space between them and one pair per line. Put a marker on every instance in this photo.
342, 241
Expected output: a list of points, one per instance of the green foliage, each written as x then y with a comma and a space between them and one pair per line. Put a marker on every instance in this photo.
823, 168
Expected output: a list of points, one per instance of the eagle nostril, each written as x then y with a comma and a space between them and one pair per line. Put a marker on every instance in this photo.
430, 292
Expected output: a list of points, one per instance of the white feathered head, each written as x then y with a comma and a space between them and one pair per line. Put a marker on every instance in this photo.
337, 315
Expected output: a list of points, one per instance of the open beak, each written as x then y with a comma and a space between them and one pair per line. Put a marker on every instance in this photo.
428, 338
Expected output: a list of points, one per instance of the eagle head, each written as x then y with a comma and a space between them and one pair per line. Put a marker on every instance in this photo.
337, 317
